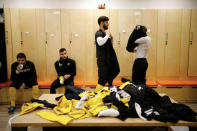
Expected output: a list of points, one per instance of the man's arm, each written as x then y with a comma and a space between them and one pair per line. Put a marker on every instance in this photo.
73, 69
33, 72
13, 72
142, 40
102, 40
58, 69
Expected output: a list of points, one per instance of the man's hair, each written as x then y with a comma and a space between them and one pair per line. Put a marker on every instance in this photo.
62, 50
102, 19
21, 55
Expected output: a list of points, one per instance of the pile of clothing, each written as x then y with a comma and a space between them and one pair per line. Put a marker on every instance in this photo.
125, 101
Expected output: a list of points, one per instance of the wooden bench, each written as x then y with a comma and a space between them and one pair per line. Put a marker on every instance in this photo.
185, 90
22, 122
179, 90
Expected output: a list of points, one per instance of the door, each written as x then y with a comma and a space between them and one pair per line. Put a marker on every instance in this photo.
192, 69
53, 39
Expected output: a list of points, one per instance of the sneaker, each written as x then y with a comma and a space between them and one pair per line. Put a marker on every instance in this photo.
11, 109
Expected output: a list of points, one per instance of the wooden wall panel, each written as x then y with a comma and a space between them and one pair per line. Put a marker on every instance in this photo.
192, 68
128, 19
28, 33
53, 36
114, 30
185, 30
65, 30
172, 50
16, 31
169, 44
78, 41
149, 19
90, 50
8, 35
44, 31
40, 44
161, 43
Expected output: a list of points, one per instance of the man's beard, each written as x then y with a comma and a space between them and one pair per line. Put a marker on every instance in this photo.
105, 27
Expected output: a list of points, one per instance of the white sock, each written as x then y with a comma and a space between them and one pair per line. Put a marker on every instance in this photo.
109, 112
80, 104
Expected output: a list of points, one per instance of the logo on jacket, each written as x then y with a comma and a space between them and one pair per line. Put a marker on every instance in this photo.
60, 64
68, 64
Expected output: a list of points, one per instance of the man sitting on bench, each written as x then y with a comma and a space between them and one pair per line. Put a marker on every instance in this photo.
66, 70
23, 73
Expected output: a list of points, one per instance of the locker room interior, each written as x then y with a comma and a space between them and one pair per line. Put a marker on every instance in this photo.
39, 28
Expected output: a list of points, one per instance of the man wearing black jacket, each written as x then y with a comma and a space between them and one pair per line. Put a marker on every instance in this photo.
23, 72
108, 67
66, 70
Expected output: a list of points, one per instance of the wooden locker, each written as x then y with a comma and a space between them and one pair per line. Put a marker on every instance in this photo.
40, 44
16, 31
173, 42
114, 30
169, 43
28, 33
192, 68
149, 19
127, 20
186, 16
78, 41
161, 43
53, 39
90, 75
8, 36
65, 30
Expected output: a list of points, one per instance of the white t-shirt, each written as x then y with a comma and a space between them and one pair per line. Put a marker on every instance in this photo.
143, 47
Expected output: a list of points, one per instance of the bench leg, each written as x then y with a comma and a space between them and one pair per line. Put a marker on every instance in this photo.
192, 128
19, 128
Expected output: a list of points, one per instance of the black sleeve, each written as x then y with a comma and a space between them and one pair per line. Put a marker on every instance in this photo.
58, 69
98, 34
33, 76
131, 42
73, 69
13, 72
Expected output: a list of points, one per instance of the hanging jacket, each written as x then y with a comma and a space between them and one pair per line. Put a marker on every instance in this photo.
137, 33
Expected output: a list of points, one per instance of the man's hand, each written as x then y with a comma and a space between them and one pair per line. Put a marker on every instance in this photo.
66, 76
22, 87
110, 35
18, 67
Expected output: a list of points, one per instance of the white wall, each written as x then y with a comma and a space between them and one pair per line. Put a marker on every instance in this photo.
92, 4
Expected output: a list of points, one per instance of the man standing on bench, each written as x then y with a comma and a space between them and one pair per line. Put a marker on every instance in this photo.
108, 67
66, 70
23, 73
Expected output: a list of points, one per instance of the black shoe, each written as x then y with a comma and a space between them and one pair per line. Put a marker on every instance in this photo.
11, 109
